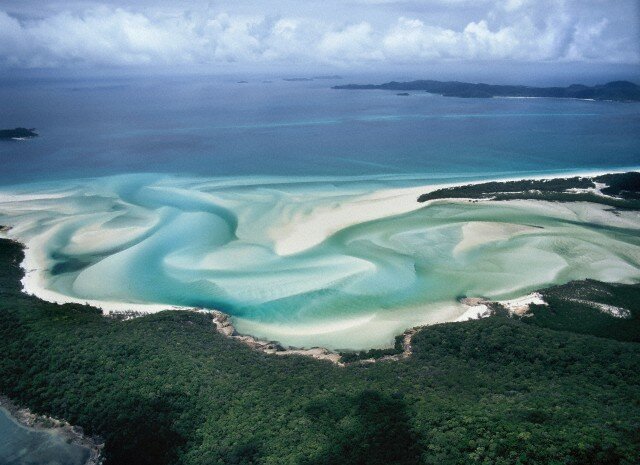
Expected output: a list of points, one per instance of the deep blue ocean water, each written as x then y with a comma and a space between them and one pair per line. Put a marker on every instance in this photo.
218, 127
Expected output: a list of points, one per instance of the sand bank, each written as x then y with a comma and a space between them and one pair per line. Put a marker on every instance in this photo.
248, 266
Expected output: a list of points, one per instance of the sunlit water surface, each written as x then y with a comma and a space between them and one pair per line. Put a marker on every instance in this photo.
292, 206
338, 264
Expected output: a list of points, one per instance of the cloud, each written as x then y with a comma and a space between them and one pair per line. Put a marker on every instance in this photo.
353, 43
111, 35
411, 38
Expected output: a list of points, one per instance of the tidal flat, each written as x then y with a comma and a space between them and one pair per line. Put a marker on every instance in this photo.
322, 262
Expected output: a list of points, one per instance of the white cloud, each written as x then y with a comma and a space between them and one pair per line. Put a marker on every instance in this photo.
480, 41
12, 41
508, 30
513, 5
585, 40
410, 38
354, 43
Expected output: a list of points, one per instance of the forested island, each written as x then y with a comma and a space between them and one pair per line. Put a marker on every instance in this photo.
615, 90
17, 134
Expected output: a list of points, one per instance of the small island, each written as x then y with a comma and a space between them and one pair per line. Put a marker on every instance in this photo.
17, 134
621, 91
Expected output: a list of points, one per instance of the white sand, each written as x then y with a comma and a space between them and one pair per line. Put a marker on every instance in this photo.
477, 233
352, 333
304, 232
311, 228
616, 312
474, 312
520, 305
478, 308
35, 279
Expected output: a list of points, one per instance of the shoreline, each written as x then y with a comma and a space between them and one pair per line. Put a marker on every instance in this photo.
33, 284
477, 307
25, 418
224, 326
396, 200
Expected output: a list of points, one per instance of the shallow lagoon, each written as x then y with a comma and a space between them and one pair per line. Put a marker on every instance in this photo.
292, 206
305, 262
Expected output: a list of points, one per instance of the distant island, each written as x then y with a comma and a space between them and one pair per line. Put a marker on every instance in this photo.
307, 79
616, 90
17, 134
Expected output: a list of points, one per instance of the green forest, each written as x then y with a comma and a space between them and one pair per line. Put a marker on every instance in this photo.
167, 389
621, 191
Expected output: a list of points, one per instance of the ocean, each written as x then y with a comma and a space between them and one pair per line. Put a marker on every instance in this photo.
292, 206
217, 127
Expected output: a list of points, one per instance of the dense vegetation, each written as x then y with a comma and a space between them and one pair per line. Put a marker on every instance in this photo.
354, 356
622, 189
577, 307
17, 133
616, 90
624, 185
166, 388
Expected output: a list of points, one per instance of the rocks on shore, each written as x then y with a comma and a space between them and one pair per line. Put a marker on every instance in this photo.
71, 434
223, 324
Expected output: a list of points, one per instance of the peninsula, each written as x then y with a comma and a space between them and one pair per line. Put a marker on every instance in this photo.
615, 90
620, 190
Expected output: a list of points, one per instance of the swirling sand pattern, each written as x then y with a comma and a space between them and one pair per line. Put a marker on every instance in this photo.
304, 262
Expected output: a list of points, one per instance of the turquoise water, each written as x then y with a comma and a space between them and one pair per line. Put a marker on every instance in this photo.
24, 446
292, 206
305, 262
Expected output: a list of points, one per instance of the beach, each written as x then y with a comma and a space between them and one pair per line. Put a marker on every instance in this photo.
305, 264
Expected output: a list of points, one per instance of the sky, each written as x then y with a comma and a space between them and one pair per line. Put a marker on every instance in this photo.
225, 35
